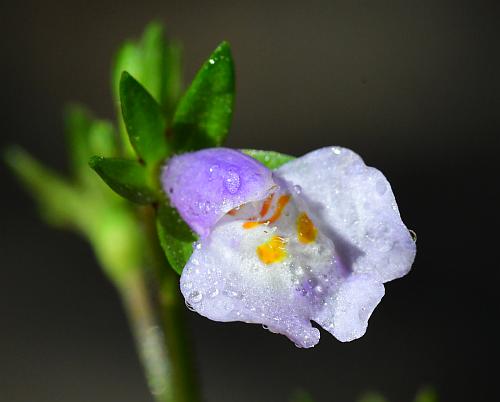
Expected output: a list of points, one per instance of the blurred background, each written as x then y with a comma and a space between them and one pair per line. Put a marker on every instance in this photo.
411, 86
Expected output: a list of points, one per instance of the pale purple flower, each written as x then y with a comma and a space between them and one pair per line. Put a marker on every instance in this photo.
311, 241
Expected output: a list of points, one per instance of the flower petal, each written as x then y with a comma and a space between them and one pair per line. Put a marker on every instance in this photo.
317, 248
347, 312
354, 206
205, 185
262, 273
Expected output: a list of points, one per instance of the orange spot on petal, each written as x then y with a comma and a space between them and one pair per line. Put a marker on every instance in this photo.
283, 200
251, 225
280, 206
307, 232
274, 250
266, 205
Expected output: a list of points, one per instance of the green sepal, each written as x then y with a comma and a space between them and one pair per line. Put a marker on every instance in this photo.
270, 159
145, 122
176, 238
128, 178
203, 115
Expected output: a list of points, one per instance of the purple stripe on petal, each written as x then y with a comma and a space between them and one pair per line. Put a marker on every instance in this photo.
206, 184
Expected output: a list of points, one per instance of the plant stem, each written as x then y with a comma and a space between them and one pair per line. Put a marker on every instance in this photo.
148, 337
156, 315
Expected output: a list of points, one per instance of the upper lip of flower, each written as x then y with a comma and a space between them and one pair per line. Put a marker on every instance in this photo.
205, 185
317, 244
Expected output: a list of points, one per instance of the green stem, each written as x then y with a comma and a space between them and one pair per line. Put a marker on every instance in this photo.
149, 338
156, 316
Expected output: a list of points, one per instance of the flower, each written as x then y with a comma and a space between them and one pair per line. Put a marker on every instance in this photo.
314, 240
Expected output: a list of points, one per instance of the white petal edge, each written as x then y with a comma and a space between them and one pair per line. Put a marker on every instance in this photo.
355, 206
351, 306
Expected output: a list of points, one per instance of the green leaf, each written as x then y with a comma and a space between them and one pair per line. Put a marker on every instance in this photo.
101, 139
173, 78
86, 137
155, 62
176, 238
127, 58
58, 200
372, 397
77, 126
144, 120
153, 59
161, 66
427, 394
117, 240
270, 159
204, 113
128, 178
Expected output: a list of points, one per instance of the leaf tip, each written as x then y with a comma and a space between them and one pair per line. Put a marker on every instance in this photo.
154, 27
94, 161
124, 76
223, 51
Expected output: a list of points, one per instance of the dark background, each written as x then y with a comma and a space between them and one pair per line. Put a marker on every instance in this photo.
411, 86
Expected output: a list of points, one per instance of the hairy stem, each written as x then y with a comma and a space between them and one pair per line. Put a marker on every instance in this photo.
149, 338
156, 314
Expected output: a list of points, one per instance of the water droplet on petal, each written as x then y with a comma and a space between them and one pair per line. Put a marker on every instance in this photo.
413, 235
213, 172
232, 182
195, 297
297, 189
318, 289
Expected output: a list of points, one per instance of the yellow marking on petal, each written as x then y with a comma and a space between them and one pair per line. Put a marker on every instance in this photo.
273, 250
250, 225
307, 232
